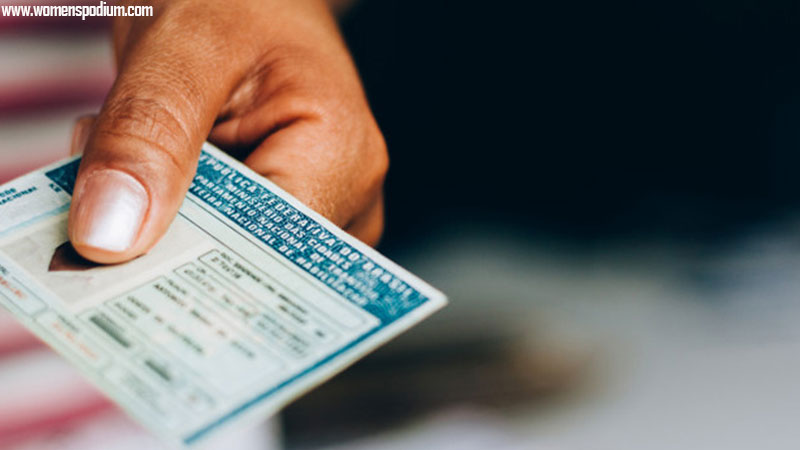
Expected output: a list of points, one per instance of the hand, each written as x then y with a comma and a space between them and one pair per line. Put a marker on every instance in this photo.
269, 81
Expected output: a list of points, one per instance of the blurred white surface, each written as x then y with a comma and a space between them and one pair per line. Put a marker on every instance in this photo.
693, 346
456, 429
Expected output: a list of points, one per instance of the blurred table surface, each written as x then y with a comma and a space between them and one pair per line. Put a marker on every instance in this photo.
692, 344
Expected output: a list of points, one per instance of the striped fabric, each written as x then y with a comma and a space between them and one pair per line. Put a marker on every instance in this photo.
53, 70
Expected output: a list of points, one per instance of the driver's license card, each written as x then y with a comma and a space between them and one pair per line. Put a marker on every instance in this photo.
248, 301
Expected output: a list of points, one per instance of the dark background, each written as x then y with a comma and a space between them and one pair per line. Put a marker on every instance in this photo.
581, 119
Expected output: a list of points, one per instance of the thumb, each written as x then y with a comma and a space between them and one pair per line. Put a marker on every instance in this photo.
142, 151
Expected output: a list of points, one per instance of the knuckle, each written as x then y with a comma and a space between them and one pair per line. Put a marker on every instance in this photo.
380, 224
378, 157
147, 121
207, 27
372, 231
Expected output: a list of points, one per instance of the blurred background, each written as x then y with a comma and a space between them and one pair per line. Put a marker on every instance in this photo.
605, 190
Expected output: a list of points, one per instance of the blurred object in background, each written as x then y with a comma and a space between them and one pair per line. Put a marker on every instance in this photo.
54, 70
428, 376
455, 429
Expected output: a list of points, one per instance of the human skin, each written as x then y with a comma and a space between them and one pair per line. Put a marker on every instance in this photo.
269, 81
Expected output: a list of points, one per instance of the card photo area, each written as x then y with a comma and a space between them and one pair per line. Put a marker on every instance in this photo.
45, 253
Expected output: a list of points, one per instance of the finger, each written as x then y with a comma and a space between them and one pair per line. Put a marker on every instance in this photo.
338, 177
80, 134
350, 197
368, 226
142, 150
